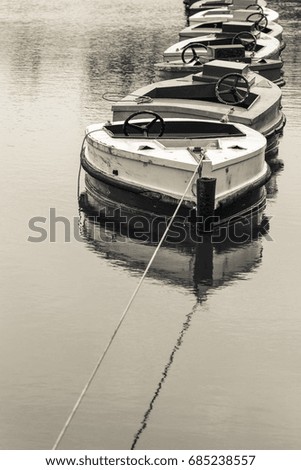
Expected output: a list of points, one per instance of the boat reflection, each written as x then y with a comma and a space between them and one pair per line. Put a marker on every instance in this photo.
272, 185
199, 262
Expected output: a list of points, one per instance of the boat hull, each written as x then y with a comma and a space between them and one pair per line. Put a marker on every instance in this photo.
273, 30
194, 6
227, 14
270, 69
119, 204
269, 47
165, 174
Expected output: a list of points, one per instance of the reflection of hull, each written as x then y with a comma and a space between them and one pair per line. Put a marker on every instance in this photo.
179, 60
210, 263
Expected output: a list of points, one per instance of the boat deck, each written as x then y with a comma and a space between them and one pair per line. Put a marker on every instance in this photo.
179, 149
266, 47
273, 30
171, 98
227, 14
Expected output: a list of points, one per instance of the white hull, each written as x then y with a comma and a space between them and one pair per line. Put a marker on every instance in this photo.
202, 5
273, 30
269, 48
226, 14
164, 166
269, 68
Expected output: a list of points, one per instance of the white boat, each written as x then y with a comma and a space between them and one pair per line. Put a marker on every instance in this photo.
195, 54
201, 5
223, 91
229, 14
262, 47
212, 262
146, 154
257, 27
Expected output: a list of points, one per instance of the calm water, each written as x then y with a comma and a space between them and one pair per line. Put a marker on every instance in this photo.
209, 355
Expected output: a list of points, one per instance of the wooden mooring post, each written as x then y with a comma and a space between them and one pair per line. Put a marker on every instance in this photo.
205, 190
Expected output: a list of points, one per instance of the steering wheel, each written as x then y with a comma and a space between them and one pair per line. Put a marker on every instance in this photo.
261, 22
255, 6
229, 89
193, 47
247, 39
144, 128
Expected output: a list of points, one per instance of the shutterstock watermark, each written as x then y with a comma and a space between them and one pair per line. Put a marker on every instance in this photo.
113, 225
54, 228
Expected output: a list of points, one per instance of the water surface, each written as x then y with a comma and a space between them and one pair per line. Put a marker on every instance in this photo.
209, 354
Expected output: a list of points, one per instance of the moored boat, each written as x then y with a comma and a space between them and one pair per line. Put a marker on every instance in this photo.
194, 6
262, 47
223, 91
156, 158
229, 14
230, 28
195, 54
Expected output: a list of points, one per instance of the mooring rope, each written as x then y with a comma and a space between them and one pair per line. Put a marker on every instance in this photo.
184, 329
101, 358
114, 97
